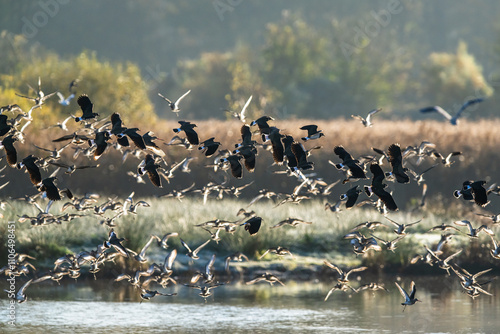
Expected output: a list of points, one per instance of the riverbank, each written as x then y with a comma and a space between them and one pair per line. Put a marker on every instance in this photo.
309, 244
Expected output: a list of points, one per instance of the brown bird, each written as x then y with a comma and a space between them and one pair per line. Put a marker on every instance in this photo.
8, 145
149, 165
34, 172
396, 161
291, 221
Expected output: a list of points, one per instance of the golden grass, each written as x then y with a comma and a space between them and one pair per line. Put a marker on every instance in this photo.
478, 141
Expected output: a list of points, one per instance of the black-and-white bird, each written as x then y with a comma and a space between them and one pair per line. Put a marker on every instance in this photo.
87, 108
175, 105
241, 115
188, 129
368, 121
351, 196
473, 191
312, 132
354, 167
209, 147
377, 187
396, 161
194, 253
252, 225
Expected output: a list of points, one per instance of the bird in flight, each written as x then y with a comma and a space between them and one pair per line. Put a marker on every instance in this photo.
175, 105
241, 115
409, 299
453, 119
367, 122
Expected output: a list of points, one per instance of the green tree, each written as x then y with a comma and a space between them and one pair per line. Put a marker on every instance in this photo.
451, 78
112, 87
209, 79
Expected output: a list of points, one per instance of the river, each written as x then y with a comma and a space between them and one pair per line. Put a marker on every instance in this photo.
105, 306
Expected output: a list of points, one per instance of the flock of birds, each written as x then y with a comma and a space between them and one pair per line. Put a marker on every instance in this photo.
94, 138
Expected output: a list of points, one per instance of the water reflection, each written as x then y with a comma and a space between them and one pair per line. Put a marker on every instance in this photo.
103, 306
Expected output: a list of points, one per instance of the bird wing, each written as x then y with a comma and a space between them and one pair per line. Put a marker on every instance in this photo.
163, 97
370, 115
437, 109
392, 221
85, 104
480, 273
355, 270
210, 265
185, 245
169, 260
360, 118
180, 98
464, 223
201, 246
452, 256
61, 97
242, 113
146, 246
467, 104
402, 291
334, 267
264, 254
410, 224
413, 290
24, 287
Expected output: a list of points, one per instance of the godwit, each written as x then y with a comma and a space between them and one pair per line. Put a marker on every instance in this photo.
409, 299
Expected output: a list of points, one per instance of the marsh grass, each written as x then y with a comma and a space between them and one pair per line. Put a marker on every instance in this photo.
478, 142
310, 244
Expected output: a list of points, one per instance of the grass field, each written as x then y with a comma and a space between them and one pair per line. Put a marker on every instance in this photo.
311, 244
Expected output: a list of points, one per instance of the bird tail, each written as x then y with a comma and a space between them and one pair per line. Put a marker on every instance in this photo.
368, 191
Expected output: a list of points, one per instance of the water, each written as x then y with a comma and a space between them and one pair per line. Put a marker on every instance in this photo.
105, 306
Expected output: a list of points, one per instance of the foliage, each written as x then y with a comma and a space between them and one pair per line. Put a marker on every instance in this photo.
112, 87
452, 78
208, 78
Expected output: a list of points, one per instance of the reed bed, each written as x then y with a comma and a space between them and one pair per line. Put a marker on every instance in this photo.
478, 142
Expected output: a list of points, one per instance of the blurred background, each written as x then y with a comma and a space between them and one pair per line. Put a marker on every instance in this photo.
321, 59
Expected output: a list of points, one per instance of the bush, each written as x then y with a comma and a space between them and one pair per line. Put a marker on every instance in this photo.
112, 86
451, 79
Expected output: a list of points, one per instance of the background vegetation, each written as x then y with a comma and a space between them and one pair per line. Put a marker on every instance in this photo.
320, 60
